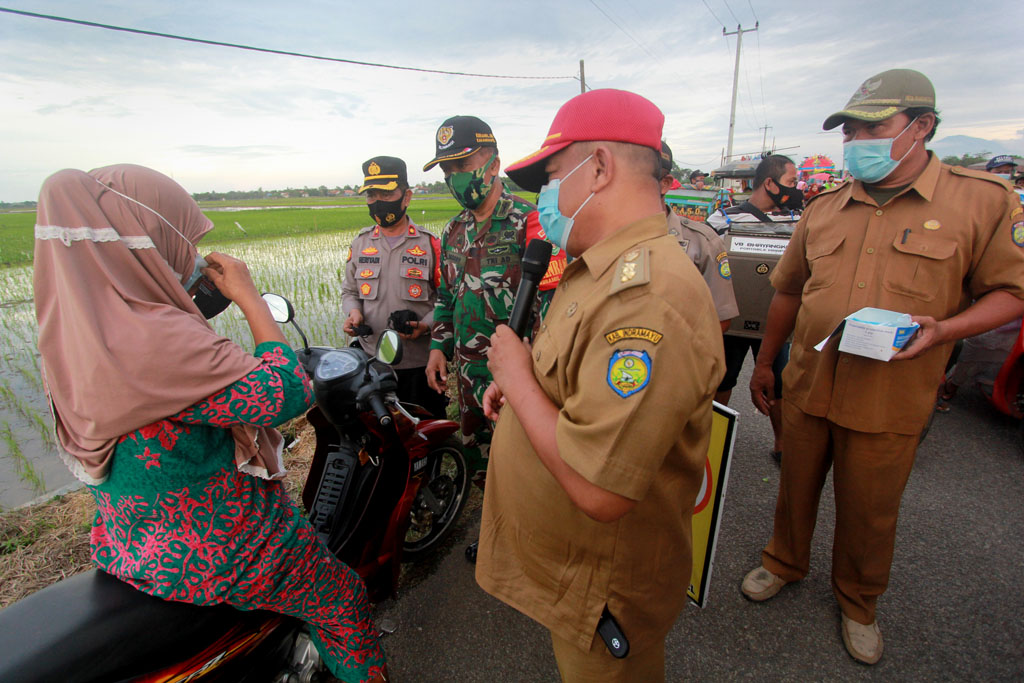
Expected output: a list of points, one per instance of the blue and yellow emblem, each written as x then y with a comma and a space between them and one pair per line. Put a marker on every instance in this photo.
1018, 233
629, 371
723, 265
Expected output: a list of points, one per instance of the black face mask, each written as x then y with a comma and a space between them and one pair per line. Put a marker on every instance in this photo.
385, 214
209, 300
788, 198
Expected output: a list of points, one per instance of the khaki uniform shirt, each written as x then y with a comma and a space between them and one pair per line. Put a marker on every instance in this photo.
631, 353
952, 236
707, 251
380, 278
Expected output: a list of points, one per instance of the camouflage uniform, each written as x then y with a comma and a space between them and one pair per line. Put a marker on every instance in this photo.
480, 274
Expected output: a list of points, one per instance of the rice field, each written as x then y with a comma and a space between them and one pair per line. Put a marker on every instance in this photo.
306, 265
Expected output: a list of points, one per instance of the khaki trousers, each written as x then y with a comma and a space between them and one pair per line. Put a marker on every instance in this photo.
598, 665
869, 474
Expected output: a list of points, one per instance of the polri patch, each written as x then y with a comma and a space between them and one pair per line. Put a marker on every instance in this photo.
415, 251
629, 372
644, 333
724, 270
366, 273
348, 257
1018, 233
415, 291
369, 251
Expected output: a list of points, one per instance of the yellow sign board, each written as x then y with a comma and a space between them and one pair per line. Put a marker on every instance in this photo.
707, 513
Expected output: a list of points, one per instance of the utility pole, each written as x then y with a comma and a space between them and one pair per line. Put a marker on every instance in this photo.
583, 82
764, 140
735, 80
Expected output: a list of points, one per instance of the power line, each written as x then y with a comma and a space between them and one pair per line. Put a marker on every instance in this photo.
252, 48
753, 12
730, 11
624, 31
713, 13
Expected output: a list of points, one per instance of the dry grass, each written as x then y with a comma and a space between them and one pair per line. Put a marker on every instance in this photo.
45, 543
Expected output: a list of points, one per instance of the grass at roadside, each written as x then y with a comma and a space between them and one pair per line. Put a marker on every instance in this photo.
17, 229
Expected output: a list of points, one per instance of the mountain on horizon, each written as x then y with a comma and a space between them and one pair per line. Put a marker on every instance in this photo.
958, 145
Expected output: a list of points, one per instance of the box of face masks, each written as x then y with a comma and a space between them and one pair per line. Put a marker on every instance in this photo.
873, 333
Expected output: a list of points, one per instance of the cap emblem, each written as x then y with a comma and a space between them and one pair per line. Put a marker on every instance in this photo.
373, 169
445, 134
865, 90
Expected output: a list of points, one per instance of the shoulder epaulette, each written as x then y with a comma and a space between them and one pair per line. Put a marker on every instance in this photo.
502, 209
523, 205
365, 230
980, 175
632, 270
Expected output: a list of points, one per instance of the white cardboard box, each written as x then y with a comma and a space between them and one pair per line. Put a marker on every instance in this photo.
873, 333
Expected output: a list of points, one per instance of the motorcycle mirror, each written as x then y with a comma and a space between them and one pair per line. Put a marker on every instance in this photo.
389, 348
280, 308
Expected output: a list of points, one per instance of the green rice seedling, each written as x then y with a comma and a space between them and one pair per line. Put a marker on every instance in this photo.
26, 472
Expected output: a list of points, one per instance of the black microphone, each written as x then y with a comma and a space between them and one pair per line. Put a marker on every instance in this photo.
535, 264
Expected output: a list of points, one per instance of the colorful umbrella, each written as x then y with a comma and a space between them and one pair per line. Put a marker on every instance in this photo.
817, 163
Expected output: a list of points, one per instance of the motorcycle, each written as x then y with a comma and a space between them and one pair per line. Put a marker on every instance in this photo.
386, 484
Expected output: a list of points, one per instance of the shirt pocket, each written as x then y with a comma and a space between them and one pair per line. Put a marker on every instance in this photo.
920, 267
368, 281
413, 282
497, 294
824, 257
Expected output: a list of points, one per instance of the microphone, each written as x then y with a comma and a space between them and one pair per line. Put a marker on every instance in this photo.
535, 264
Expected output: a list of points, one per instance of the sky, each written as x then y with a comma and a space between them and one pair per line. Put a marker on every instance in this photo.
219, 119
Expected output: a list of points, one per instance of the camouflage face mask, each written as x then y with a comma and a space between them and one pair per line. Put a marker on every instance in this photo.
469, 187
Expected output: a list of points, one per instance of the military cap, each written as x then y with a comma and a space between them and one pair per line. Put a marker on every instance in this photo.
885, 95
666, 157
1000, 160
459, 137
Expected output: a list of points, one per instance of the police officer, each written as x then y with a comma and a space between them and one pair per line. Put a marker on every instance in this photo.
909, 234
481, 250
704, 247
599, 452
391, 277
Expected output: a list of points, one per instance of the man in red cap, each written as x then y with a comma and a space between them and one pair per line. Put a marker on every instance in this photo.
600, 447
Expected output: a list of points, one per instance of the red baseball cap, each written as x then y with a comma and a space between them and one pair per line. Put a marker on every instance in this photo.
605, 115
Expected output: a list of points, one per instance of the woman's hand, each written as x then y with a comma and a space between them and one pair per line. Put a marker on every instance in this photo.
231, 276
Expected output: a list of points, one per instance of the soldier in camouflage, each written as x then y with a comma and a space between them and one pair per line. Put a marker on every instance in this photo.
481, 250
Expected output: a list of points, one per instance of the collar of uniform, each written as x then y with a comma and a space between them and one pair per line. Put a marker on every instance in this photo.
500, 212
412, 231
602, 255
924, 185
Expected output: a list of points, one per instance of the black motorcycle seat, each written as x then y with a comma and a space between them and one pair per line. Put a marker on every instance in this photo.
93, 627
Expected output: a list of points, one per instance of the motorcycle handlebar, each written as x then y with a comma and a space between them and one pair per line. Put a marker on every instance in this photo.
379, 409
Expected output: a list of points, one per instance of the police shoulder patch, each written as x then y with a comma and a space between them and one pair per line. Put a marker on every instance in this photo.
629, 371
644, 333
1017, 233
348, 256
724, 270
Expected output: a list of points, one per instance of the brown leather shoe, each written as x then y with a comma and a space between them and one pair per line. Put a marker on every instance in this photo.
760, 585
863, 642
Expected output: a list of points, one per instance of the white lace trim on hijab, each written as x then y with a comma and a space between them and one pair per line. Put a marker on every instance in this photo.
69, 235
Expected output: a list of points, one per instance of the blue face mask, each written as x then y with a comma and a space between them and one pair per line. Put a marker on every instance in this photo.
870, 161
556, 226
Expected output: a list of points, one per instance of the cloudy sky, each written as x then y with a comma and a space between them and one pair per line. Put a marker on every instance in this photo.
217, 118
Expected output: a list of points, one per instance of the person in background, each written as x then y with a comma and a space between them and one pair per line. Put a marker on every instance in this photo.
909, 234
600, 447
696, 180
704, 247
392, 272
169, 424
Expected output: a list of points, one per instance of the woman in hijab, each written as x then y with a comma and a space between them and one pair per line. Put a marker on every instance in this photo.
170, 424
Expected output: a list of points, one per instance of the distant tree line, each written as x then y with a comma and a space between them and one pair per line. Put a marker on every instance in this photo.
967, 159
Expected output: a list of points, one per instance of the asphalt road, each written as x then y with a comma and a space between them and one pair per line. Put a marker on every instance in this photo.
954, 609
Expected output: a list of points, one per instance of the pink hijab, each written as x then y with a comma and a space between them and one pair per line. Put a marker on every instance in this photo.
121, 341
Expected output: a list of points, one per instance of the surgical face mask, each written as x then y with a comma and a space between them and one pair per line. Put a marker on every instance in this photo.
870, 161
556, 226
787, 198
1004, 176
470, 188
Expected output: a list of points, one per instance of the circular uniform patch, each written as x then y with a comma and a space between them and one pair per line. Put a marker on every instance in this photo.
415, 291
762, 269
724, 270
628, 371
1018, 234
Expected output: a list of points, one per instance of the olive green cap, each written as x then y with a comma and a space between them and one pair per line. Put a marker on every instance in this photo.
884, 95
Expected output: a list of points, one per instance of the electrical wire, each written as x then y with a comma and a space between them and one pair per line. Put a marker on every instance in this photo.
287, 53
730, 11
624, 31
713, 13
